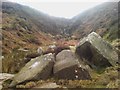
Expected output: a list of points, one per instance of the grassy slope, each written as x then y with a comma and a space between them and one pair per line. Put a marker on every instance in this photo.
19, 31
102, 19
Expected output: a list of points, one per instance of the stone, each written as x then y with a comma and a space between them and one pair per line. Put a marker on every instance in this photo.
3, 77
96, 52
40, 50
68, 67
23, 49
37, 69
52, 46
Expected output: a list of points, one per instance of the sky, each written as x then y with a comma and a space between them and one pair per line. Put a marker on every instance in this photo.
61, 8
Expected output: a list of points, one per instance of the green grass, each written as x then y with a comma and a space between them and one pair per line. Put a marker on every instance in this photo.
14, 61
112, 33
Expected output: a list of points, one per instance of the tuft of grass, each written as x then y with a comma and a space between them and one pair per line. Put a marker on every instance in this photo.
14, 61
30, 84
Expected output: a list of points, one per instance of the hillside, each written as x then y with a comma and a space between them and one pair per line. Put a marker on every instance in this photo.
42, 51
27, 28
102, 19
22, 27
23, 21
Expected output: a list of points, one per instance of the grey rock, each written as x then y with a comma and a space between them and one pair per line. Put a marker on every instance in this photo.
3, 77
96, 52
40, 50
67, 66
23, 49
52, 46
36, 69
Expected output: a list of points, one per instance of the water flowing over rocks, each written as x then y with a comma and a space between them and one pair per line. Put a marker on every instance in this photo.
96, 52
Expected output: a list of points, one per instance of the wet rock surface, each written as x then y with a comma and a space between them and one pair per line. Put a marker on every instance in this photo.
96, 52
38, 68
68, 67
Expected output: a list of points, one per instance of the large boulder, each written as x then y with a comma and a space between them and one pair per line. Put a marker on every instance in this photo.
68, 67
96, 52
38, 68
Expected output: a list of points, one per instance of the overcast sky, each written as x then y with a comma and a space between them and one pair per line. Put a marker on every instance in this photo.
61, 8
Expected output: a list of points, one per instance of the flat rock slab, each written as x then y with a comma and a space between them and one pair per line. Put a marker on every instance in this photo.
3, 77
36, 69
67, 66
96, 52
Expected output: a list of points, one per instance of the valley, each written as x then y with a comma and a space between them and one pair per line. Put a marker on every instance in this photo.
25, 30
